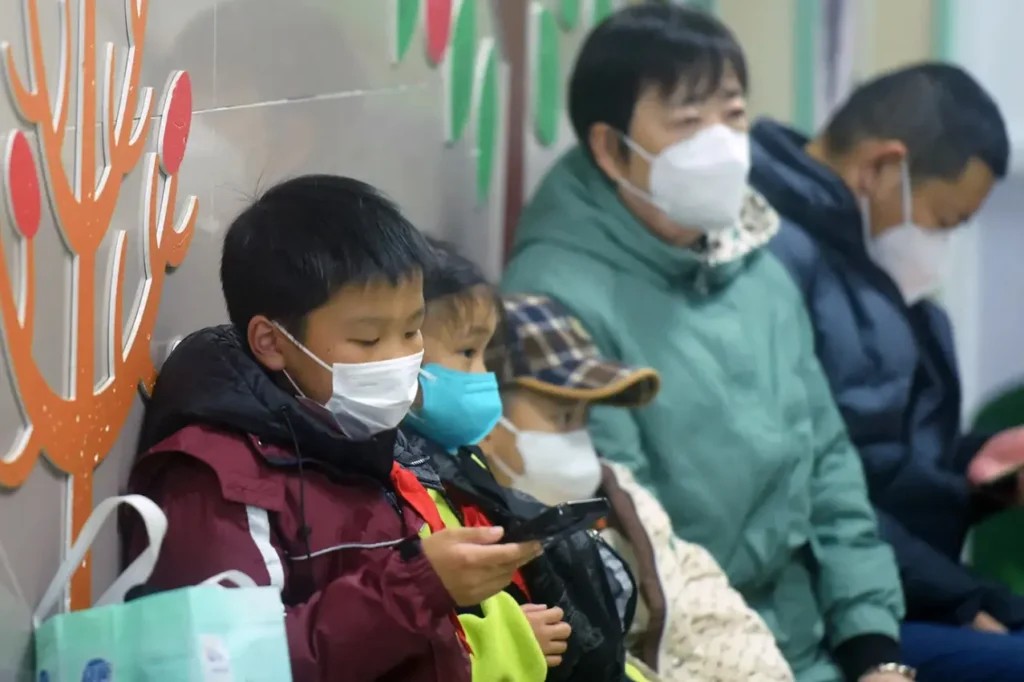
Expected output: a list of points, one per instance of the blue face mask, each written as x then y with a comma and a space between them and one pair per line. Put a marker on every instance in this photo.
459, 408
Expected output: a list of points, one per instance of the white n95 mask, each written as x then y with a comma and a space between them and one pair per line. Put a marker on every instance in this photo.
699, 182
915, 258
367, 398
558, 467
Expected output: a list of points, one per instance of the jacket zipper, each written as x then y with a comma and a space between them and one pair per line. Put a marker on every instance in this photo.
396, 506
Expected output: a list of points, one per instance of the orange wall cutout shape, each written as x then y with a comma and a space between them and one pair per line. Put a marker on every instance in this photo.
76, 426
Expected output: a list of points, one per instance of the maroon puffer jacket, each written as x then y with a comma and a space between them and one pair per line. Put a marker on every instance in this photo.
362, 601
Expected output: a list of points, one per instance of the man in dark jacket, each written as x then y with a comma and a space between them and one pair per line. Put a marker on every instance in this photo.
867, 208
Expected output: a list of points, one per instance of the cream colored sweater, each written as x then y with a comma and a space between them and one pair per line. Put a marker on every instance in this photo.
709, 634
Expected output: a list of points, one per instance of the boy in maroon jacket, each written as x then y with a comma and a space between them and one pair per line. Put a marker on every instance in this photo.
270, 443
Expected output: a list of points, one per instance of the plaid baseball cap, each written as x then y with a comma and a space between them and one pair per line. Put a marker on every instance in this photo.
545, 348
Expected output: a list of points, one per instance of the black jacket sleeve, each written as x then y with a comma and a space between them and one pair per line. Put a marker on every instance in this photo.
967, 447
859, 655
940, 589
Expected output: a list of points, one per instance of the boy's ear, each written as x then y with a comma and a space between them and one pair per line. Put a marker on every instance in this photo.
265, 343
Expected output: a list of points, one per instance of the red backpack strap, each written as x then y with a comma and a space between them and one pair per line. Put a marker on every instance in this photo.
416, 496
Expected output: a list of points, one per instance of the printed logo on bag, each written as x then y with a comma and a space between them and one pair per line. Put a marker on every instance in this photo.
216, 659
98, 670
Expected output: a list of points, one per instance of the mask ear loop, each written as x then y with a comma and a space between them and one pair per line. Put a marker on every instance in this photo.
429, 377
497, 461
865, 220
295, 342
300, 346
298, 391
648, 157
908, 198
509, 426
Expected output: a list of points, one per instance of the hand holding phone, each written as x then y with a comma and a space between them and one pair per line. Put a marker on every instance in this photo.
472, 564
557, 521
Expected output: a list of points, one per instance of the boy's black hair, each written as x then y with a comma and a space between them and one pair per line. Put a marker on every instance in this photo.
943, 116
450, 273
454, 279
662, 45
304, 239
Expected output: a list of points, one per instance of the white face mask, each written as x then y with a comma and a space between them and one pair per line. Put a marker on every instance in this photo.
699, 182
915, 258
367, 398
558, 467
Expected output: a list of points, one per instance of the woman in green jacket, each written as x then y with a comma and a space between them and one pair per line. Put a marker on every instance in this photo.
648, 233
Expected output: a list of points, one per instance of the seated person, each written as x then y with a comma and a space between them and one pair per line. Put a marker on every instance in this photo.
269, 444
690, 625
459, 404
648, 234
868, 206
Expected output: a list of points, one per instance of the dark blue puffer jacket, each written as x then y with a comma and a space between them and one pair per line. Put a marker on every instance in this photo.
893, 373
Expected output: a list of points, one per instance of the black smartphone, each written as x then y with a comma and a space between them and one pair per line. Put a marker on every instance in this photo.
560, 520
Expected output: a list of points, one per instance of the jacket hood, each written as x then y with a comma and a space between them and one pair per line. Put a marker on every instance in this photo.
212, 378
578, 208
803, 190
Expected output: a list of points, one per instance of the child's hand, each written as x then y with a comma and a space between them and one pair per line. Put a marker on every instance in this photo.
472, 565
552, 634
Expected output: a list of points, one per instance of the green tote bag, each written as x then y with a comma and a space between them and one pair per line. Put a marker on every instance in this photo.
206, 633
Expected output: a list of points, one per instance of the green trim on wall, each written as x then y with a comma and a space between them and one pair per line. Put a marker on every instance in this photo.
709, 6
807, 19
546, 72
943, 29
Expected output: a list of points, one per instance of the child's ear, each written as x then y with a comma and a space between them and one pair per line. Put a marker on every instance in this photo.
264, 342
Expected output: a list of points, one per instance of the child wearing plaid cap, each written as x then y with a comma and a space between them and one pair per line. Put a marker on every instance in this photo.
573, 616
690, 624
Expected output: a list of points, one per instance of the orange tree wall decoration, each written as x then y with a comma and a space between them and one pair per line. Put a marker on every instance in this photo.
75, 427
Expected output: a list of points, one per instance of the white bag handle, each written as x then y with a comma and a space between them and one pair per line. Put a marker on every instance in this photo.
237, 577
138, 571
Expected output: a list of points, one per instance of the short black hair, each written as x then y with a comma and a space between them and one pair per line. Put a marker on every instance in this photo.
942, 114
304, 239
639, 46
454, 283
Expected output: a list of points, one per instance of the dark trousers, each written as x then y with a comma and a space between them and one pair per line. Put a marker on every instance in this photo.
944, 653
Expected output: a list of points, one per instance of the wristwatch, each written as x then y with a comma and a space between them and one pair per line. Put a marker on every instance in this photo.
893, 668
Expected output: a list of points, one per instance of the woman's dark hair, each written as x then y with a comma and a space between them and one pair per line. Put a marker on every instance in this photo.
639, 46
